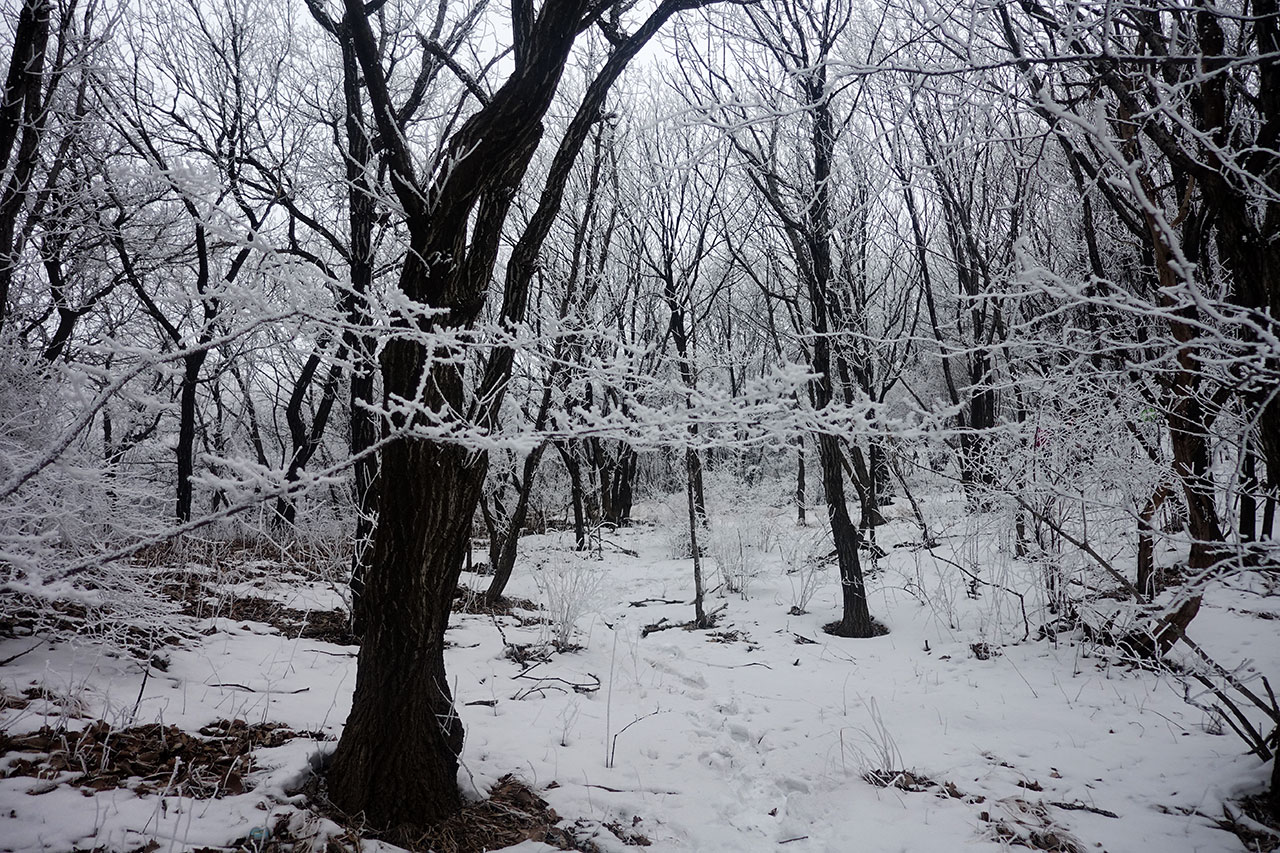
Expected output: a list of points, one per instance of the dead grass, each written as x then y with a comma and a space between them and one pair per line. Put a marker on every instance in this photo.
146, 759
511, 814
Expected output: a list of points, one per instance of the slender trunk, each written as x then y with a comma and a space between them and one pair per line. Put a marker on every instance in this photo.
503, 560
574, 468
1191, 462
362, 346
801, 498
620, 500
695, 520
306, 441
185, 450
680, 336
1269, 511
1146, 540
1248, 494
856, 618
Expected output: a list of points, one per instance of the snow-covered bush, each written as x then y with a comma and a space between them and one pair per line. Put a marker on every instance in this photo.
803, 565
570, 589
737, 559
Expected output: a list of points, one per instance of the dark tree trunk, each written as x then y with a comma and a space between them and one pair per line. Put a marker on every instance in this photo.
306, 440
361, 219
503, 559
1248, 494
975, 468
680, 336
868, 488
617, 477
1191, 462
397, 761
855, 620
185, 451
801, 497
576, 501
695, 550
617, 507
21, 109
1146, 541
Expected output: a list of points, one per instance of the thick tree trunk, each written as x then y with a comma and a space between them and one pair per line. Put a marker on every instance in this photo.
21, 110
397, 761
398, 757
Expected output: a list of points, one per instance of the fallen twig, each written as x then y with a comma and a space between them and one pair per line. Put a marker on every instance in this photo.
13, 658
1082, 807
661, 625
232, 685
625, 791
621, 548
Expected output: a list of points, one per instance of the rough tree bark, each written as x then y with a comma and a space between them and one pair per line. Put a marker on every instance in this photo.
397, 760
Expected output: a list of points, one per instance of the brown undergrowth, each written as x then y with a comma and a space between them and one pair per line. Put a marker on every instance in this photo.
146, 759
511, 814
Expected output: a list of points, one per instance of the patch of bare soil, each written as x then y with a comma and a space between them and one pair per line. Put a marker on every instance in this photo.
147, 759
878, 629
330, 626
511, 814
469, 601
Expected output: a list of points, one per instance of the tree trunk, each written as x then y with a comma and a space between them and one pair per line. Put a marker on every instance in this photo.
1248, 494
21, 109
856, 618
695, 520
801, 498
1191, 461
574, 468
1146, 541
397, 761
503, 559
306, 440
618, 512
185, 450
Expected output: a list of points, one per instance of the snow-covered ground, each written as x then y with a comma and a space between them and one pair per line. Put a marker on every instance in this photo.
757, 735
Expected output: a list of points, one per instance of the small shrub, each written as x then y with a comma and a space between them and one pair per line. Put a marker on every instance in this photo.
570, 590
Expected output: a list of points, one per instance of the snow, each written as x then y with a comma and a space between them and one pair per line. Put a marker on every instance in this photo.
744, 738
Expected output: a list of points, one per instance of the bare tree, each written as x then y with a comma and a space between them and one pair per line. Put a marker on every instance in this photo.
397, 759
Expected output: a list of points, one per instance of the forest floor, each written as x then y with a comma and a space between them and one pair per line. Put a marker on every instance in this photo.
965, 727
